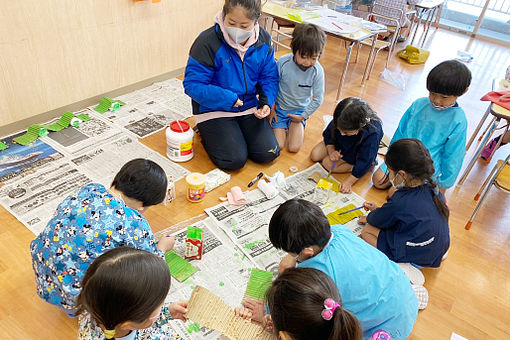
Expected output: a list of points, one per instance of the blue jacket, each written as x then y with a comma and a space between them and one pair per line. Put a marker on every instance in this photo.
216, 76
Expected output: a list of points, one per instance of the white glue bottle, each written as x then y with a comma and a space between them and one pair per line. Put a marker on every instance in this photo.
179, 141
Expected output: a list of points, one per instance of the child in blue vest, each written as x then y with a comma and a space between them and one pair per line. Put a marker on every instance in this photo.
413, 225
301, 78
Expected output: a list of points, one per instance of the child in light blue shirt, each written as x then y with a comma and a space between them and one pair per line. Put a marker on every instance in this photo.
438, 122
372, 287
301, 78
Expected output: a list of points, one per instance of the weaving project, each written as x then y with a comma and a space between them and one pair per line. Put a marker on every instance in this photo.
212, 312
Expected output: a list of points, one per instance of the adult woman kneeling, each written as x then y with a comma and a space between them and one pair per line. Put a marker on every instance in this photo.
232, 79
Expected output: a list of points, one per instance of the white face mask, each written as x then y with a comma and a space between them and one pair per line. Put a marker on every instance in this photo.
238, 34
440, 107
397, 186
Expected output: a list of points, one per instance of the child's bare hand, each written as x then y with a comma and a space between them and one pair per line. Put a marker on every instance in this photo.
335, 156
256, 308
178, 310
369, 206
242, 312
295, 118
238, 103
362, 220
268, 324
166, 243
286, 263
346, 187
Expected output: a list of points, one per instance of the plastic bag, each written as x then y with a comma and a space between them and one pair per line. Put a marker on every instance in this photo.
393, 78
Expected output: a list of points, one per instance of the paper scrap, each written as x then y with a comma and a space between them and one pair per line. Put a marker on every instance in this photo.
215, 178
329, 184
179, 267
336, 218
209, 310
260, 281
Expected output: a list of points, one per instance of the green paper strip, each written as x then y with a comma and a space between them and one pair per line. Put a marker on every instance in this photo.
37, 130
259, 283
62, 123
31, 135
3, 146
85, 117
335, 218
179, 267
106, 103
194, 233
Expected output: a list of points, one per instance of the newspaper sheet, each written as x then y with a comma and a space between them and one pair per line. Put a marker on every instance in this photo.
34, 199
151, 109
104, 162
247, 226
89, 134
18, 161
222, 269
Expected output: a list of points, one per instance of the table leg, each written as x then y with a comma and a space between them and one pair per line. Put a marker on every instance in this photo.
479, 126
420, 12
342, 78
430, 16
369, 66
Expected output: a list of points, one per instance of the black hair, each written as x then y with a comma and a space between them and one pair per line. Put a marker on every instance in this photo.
352, 114
449, 78
296, 301
413, 157
143, 180
251, 7
308, 40
298, 224
124, 284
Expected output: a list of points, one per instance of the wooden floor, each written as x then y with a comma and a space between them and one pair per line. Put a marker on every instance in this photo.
469, 294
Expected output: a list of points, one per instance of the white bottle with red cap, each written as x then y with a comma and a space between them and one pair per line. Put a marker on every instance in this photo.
179, 141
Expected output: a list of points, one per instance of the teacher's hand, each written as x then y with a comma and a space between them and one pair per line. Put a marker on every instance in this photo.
263, 112
238, 103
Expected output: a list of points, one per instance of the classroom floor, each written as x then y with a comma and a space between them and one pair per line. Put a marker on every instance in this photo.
469, 294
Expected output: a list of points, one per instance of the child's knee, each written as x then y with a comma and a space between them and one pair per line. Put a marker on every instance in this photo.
380, 180
294, 147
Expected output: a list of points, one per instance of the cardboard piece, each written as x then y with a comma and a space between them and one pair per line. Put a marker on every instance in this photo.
106, 103
179, 267
211, 311
259, 283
